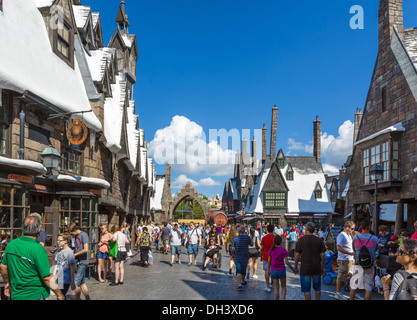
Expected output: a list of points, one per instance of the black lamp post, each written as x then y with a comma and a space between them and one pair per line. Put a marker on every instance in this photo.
377, 173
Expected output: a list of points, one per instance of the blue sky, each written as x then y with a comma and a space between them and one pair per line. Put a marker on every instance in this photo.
226, 63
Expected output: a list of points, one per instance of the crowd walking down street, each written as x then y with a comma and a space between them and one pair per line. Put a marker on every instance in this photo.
217, 258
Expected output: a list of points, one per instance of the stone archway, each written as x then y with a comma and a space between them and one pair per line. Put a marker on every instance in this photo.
189, 191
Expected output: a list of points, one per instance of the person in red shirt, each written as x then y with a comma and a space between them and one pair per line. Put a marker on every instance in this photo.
414, 236
266, 244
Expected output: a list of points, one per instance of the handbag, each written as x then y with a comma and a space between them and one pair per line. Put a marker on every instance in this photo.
114, 248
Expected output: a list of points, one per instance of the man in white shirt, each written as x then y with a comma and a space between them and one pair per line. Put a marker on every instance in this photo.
175, 236
345, 258
193, 242
279, 231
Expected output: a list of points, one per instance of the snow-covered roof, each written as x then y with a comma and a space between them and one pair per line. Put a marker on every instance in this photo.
396, 127
44, 3
82, 180
96, 18
133, 135
81, 14
41, 72
345, 191
113, 115
23, 164
156, 200
301, 198
143, 163
150, 173
97, 62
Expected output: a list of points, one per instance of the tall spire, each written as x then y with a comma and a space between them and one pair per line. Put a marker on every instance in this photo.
122, 19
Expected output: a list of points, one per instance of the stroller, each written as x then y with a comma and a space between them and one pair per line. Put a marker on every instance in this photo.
330, 268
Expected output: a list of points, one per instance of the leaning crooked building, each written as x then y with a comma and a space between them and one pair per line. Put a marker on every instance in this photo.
65, 96
281, 189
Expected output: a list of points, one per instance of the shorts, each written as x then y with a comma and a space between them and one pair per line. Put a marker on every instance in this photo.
278, 274
265, 265
192, 248
211, 253
165, 243
80, 275
345, 267
65, 290
241, 267
102, 255
306, 283
362, 278
176, 250
121, 256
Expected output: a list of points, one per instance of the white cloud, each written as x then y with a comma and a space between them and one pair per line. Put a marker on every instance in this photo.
184, 146
334, 150
182, 179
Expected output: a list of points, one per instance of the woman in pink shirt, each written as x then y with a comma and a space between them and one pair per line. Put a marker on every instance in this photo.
276, 267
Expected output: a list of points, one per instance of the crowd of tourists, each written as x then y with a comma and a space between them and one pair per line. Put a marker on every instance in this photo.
27, 273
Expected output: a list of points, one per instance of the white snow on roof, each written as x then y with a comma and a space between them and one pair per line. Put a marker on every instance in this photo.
156, 200
345, 191
96, 18
301, 196
143, 163
132, 135
23, 164
41, 72
113, 115
150, 173
44, 3
396, 127
126, 39
257, 203
81, 14
97, 62
82, 180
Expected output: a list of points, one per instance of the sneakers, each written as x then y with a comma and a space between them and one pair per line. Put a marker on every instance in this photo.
244, 283
247, 276
340, 296
171, 264
255, 277
240, 288
267, 289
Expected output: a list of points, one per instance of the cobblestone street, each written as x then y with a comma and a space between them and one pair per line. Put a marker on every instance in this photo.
180, 282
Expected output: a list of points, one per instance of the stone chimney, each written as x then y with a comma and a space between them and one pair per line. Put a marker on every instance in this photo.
254, 157
358, 119
264, 142
237, 163
274, 124
317, 139
390, 16
168, 174
245, 155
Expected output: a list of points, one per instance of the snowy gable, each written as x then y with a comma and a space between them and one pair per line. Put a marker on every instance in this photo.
257, 205
133, 135
41, 72
156, 200
308, 176
82, 14
113, 115
98, 60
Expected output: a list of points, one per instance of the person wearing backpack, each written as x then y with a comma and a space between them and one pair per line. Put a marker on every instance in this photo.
366, 246
145, 246
404, 282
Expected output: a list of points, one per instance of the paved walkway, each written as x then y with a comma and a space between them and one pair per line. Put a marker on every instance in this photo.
180, 282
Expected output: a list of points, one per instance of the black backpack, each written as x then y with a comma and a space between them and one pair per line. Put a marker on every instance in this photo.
408, 288
364, 257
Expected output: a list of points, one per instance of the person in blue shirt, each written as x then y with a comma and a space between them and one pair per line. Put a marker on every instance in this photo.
240, 253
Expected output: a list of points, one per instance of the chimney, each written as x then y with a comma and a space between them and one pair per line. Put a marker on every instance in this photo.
274, 124
237, 163
317, 139
254, 158
264, 143
358, 119
390, 16
168, 174
244, 151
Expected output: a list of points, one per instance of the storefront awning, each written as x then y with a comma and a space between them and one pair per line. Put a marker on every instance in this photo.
80, 180
34, 167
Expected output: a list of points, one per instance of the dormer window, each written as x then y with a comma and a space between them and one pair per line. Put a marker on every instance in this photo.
281, 159
64, 43
318, 191
290, 173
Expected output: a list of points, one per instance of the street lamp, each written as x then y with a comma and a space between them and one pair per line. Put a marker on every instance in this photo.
51, 158
376, 172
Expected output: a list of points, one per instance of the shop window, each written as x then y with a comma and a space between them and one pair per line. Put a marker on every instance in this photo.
5, 107
380, 154
84, 211
275, 200
13, 210
71, 160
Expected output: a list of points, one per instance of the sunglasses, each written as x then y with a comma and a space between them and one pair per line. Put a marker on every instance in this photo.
402, 252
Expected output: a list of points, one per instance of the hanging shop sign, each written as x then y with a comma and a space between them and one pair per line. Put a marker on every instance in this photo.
77, 132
